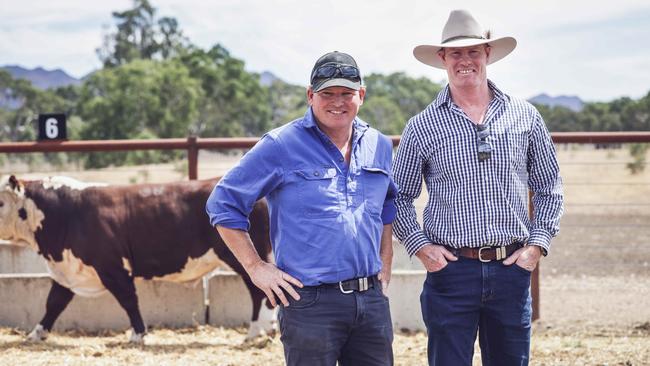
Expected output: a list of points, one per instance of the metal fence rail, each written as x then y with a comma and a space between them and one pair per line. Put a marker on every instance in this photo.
193, 144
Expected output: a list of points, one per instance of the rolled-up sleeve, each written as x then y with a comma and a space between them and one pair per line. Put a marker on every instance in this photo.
389, 210
256, 174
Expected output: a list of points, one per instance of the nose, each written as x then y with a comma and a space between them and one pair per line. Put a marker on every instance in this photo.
465, 57
338, 99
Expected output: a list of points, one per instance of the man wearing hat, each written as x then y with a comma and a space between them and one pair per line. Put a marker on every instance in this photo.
327, 180
479, 152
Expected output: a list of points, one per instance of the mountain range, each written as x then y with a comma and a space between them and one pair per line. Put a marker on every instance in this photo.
46, 79
571, 102
42, 78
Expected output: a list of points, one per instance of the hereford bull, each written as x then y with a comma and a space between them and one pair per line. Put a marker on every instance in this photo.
98, 238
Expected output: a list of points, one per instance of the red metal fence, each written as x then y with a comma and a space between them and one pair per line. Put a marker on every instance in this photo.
193, 145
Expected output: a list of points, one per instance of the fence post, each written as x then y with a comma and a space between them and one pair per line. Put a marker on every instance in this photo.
192, 158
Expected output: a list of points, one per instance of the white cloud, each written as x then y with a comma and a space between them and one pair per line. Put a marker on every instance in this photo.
565, 47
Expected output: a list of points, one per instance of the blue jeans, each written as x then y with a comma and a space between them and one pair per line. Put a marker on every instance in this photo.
326, 326
467, 297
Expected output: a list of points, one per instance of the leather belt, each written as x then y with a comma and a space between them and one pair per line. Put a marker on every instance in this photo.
489, 253
356, 284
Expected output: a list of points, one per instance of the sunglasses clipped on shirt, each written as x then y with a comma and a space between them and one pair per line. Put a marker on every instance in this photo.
484, 147
334, 70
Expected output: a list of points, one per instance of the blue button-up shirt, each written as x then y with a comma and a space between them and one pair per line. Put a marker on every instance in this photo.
473, 203
326, 217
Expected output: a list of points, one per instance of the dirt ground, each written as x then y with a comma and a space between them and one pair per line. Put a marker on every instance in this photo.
595, 284
206, 345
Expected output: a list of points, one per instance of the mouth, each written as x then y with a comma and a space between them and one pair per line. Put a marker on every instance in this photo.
466, 71
337, 113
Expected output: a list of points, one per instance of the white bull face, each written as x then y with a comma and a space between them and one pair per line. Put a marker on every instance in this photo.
19, 216
8, 214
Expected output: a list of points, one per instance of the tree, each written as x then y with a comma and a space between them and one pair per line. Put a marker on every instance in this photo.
140, 35
396, 91
172, 41
19, 124
636, 115
383, 114
287, 102
234, 103
19, 121
142, 99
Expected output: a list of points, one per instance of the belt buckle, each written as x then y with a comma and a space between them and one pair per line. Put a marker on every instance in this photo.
344, 291
363, 285
481, 258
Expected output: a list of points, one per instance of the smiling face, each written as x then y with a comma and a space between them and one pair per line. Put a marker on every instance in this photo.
335, 107
466, 66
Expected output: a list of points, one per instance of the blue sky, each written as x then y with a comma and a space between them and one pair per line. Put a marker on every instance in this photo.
565, 47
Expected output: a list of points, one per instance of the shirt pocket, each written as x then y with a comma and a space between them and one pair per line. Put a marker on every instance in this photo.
375, 185
318, 192
517, 148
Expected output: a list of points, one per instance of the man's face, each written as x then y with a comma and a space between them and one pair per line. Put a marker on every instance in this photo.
335, 107
466, 66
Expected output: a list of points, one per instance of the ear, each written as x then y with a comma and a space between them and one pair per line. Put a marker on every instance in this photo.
310, 95
362, 93
14, 183
441, 55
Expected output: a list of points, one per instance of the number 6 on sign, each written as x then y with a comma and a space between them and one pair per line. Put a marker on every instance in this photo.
51, 127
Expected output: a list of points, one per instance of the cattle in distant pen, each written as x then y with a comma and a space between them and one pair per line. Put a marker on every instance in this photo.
98, 238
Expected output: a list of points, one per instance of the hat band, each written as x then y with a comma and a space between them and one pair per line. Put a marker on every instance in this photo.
462, 37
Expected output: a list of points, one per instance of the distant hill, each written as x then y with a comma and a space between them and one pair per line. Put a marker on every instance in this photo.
41, 78
267, 78
571, 102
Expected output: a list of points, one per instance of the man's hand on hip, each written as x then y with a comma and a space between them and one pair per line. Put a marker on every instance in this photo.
272, 281
384, 278
434, 257
525, 257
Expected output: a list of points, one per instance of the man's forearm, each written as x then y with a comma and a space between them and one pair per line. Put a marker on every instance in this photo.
240, 244
386, 246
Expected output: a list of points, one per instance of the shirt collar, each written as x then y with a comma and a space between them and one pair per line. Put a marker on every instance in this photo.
444, 97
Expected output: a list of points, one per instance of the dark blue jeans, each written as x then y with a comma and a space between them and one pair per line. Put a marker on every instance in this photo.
467, 297
326, 326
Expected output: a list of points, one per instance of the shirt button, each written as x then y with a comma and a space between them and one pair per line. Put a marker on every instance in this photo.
341, 160
316, 174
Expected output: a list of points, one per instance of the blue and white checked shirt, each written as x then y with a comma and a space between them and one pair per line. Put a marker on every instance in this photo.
326, 217
472, 203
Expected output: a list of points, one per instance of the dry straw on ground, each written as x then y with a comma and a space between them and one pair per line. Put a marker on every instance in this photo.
207, 345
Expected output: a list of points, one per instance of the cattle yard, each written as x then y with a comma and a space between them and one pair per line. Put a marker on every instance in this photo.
595, 285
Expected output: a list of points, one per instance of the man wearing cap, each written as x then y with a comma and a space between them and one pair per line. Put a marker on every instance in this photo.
479, 151
327, 180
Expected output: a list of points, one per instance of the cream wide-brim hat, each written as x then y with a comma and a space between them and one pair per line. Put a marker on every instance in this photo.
462, 30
